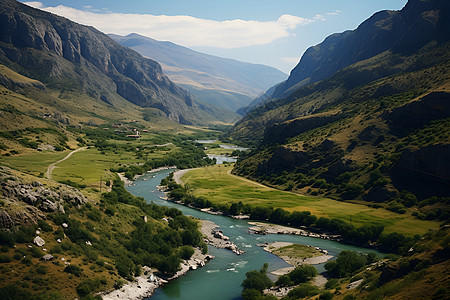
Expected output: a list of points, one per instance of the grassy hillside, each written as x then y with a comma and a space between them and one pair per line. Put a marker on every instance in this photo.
370, 134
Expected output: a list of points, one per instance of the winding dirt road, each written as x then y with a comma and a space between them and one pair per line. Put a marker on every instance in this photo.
53, 165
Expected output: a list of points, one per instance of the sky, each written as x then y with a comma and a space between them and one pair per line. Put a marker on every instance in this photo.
269, 32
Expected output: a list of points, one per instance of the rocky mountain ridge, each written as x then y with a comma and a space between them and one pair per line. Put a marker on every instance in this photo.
403, 32
375, 131
227, 83
65, 55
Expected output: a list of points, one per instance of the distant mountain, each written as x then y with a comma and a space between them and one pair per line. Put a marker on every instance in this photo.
71, 57
375, 128
403, 31
227, 83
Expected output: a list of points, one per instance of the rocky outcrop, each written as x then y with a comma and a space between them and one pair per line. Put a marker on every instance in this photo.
34, 198
425, 172
416, 114
279, 133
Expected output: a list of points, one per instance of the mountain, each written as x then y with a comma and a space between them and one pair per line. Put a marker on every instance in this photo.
403, 32
226, 83
71, 57
375, 131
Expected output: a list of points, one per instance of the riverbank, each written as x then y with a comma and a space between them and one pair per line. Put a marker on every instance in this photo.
314, 256
267, 228
128, 182
145, 285
214, 236
179, 173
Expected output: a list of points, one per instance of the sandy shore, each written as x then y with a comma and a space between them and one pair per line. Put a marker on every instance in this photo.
295, 261
140, 288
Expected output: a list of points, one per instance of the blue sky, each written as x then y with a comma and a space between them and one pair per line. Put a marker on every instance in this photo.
274, 33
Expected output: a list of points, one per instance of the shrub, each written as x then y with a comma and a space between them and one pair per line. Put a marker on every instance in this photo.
302, 274
331, 283
73, 269
302, 291
257, 280
346, 263
284, 280
326, 296
4, 258
45, 226
186, 252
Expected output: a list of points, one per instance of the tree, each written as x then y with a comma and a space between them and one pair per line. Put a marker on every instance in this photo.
346, 264
284, 280
257, 280
302, 274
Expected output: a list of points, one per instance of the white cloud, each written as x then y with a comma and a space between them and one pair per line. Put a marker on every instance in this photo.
186, 30
35, 4
336, 12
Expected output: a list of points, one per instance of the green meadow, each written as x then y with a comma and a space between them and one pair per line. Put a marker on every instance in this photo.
216, 184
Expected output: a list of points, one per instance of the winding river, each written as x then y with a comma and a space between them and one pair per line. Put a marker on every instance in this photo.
221, 278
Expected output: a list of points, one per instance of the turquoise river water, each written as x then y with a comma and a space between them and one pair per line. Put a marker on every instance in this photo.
221, 278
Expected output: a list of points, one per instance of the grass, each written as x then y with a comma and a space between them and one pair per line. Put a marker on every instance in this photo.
217, 185
86, 167
32, 162
297, 251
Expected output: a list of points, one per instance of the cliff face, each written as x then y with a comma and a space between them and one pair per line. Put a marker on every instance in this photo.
402, 32
54, 50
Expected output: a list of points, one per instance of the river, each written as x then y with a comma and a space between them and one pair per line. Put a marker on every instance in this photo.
221, 278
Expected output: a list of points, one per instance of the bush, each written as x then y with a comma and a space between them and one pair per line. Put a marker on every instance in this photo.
73, 269
257, 280
36, 252
346, 264
7, 239
5, 258
45, 226
302, 291
302, 274
331, 283
186, 252
326, 296
88, 286
284, 280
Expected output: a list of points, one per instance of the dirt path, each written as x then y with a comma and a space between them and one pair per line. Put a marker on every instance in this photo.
53, 165
179, 173
247, 180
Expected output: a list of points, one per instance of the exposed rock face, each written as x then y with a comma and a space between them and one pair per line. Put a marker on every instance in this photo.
425, 172
51, 48
416, 114
5, 220
280, 132
405, 31
36, 199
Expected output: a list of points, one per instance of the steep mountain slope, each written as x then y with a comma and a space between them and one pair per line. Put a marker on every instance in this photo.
70, 57
377, 130
223, 82
403, 32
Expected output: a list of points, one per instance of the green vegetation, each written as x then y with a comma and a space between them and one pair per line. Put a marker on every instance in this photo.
216, 187
255, 283
297, 250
